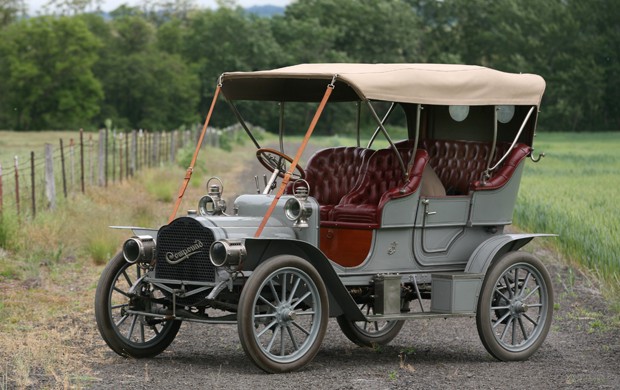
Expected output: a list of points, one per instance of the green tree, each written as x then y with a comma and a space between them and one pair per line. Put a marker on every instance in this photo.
144, 87
10, 11
46, 67
225, 40
351, 30
557, 39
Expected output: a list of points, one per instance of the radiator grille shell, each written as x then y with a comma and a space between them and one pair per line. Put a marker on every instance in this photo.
189, 235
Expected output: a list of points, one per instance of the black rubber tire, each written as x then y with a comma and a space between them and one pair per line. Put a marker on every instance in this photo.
160, 334
381, 335
503, 304
260, 312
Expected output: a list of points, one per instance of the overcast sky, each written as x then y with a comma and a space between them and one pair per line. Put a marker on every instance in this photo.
36, 6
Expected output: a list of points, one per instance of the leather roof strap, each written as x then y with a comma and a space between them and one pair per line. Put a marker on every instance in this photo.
302, 147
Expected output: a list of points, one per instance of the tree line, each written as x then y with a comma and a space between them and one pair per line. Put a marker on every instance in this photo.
156, 67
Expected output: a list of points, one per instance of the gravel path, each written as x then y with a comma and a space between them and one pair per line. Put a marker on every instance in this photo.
582, 350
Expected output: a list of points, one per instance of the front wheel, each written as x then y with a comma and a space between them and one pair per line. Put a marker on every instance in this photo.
515, 307
282, 315
121, 293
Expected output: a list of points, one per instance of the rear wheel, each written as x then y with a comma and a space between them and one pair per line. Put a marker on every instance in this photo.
515, 307
283, 313
121, 292
369, 333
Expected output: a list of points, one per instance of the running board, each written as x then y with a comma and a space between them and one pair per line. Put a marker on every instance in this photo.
415, 316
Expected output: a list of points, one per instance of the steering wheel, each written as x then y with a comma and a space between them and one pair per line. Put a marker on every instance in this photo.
273, 159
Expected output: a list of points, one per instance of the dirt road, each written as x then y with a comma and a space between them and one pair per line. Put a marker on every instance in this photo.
581, 351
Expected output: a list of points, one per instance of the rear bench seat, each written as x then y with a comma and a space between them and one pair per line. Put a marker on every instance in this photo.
332, 173
460, 164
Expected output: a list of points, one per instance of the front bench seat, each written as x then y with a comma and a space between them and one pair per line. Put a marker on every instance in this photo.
332, 173
382, 181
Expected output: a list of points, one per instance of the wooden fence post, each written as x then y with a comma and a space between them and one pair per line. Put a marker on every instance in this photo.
120, 157
0, 189
90, 159
62, 165
50, 183
17, 184
127, 155
32, 184
113, 155
173, 143
105, 170
82, 159
155, 150
134, 151
72, 162
101, 158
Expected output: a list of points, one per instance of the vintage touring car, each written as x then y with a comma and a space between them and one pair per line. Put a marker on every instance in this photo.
371, 236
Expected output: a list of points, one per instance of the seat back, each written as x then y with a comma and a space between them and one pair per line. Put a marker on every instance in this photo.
332, 173
460, 164
383, 180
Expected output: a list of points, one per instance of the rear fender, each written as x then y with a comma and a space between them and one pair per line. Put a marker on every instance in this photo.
340, 301
495, 247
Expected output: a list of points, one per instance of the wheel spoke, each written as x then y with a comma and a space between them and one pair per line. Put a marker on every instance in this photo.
505, 277
142, 333
273, 338
530, 319
304, 313
500, 320
119, 306
514, 332
525, 336
532, 292
266, 315
129, 282
499, 307
516, 282
262, 332
535, 305
266, 301
120, 322
281, 341
525, 282
131, 328
290, 334
506, 329
306, 295
496, 291
300, 328
273, 291
118, 290
294, 290
283, 299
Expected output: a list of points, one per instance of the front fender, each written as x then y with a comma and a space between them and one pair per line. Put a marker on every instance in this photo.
341, 302
495, 247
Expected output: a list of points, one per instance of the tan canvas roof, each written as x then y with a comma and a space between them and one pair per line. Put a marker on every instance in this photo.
441, 84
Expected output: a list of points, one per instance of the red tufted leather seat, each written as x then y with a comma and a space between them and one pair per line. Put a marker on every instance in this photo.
460, 164
505, 171
332, 173
382, 181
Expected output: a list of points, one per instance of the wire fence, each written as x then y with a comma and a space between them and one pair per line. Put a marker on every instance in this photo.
35, 181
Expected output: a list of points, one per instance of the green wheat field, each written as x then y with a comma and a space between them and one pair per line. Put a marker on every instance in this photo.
575, 192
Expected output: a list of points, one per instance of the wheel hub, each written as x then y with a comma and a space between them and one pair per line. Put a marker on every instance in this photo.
285, 314
517, 308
